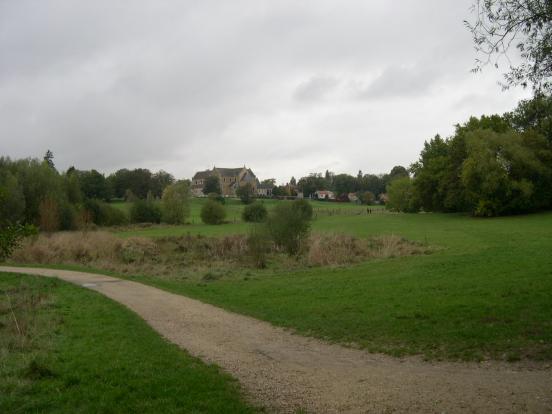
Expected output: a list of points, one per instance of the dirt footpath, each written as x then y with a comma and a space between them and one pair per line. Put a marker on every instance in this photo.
285, 372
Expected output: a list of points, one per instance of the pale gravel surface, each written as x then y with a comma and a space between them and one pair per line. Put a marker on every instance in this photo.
284, 372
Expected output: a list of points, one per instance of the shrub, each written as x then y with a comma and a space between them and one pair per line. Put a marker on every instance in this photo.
289, 225
246, 193
259, 246
304, 208
104, 214
11, 236
112, 216
367, 198
145, 211
48, 211
217, 197
254, 213
401, 196
212, 212
211, 185
67, 216
176, 203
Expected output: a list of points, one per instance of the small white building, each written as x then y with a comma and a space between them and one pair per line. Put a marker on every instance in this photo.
324, 195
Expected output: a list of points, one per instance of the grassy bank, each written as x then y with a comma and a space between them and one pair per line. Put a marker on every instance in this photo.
66, 349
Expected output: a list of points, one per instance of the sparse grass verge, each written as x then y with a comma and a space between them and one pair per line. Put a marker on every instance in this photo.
64, 349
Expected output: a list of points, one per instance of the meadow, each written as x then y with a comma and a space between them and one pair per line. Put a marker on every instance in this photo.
483, 293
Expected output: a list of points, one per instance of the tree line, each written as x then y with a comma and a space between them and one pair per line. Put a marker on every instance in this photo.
33, 191
368, 186
492, 165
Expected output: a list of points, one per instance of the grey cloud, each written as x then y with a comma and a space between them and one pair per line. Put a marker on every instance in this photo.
182, 85
317, 87
399, 81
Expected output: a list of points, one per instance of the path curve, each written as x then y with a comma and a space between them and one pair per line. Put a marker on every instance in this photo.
284, 371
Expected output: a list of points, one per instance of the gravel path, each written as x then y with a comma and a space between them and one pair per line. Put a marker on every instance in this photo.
284, 372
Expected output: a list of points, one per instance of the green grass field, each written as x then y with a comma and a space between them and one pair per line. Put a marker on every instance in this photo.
485, 292
234, 224
73, 350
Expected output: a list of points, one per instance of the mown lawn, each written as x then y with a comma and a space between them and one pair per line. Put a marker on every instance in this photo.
72, 350
486, 292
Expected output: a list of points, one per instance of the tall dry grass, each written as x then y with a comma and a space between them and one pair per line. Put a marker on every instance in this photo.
188, 255
341, 249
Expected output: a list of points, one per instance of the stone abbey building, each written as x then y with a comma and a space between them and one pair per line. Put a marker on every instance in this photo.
230, 179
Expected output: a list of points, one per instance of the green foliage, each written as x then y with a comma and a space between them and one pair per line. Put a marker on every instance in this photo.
280, 191
145, 211
94, 185
367, 197
211, 185
254, 213
289, 225
49, 159
533, 114
401, 196
49, 214
213, 212
259, 245
159, 182
11, 235
246, 193
216, 197
525, 24
492, 165
504, 174
139, 181
12, 199
344, 184
73, 188
176, 203
104, 214
314, 182
67, 214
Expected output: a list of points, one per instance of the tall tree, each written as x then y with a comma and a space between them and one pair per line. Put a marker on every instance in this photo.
344, 183
533, 114
94, 185
159, 181
212, 185
49, 159
246, 193
313, 182
176, 203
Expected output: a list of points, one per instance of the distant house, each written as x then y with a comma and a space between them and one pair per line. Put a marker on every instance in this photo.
324, 195
230, 180
264, 190
353, 198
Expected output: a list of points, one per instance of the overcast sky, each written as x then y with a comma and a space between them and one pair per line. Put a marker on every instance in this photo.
285, 87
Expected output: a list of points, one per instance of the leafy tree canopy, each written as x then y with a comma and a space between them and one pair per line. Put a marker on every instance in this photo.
525, 25
212, 185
